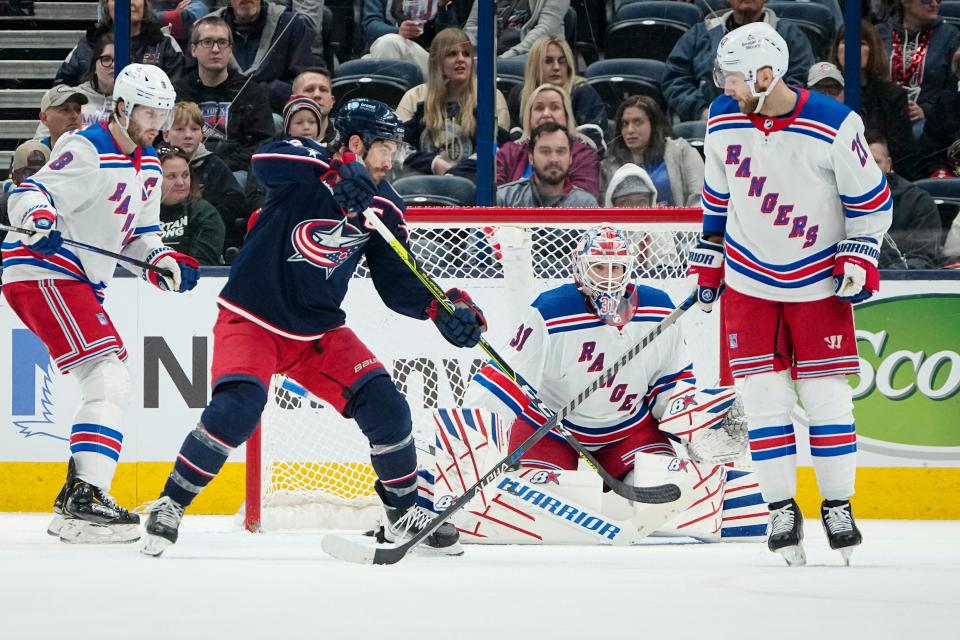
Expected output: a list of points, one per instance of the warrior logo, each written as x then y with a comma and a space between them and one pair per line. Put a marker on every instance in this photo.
325, 244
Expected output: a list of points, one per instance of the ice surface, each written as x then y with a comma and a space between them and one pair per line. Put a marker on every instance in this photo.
221, 583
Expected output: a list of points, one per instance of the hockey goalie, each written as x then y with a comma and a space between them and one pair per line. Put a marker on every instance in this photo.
648, 425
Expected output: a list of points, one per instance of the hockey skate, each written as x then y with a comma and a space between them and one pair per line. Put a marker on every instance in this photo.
786, 532
163, 526
57, 523
842, 531
92, 516
401, 524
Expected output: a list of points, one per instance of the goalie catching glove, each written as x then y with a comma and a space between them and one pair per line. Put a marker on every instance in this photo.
463, 327
709, 422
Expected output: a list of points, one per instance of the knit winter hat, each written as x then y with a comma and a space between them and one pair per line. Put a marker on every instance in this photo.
298, 103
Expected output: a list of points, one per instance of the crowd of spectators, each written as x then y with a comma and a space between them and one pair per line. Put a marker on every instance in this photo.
249, 70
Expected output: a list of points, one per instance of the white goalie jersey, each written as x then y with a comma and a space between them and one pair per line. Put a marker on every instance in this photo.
561, 346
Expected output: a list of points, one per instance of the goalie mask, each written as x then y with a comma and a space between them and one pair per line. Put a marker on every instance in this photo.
603, 263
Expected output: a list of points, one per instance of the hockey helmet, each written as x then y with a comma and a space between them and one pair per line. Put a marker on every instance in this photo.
748, 49
148, 86
372, 120
599, 252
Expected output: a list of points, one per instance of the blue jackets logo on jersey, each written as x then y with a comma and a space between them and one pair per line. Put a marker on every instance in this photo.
325, 244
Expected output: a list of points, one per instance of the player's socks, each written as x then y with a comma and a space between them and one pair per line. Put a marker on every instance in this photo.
201, 457
841, 528
56, 524
786, 532
163, 526
93, 516
403, 523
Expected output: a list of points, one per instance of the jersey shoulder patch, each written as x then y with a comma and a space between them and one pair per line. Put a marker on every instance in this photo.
824, 110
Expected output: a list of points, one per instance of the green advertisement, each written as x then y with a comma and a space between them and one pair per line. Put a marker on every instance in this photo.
908, 392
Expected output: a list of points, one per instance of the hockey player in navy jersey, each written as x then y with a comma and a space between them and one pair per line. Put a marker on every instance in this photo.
280, 312
794, 211
101, 188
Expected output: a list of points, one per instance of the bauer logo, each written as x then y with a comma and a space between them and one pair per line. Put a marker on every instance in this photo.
908, 391
32, 378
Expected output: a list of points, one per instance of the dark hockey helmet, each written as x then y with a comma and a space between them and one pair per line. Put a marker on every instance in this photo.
372, 120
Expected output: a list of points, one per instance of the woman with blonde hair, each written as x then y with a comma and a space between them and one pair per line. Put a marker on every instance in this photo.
551, 61
548, 103
440, 115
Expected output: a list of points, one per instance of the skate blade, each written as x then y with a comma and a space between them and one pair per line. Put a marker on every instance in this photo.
55, 525
153, 545
846, 552
794, 555
76, 531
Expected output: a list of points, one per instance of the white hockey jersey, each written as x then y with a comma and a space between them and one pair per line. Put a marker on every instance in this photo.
561, 346
101, 197
785, 191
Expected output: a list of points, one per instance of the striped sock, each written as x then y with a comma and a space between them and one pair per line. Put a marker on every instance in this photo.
96, 449
833, 448
200, 459
396, 467
773, 450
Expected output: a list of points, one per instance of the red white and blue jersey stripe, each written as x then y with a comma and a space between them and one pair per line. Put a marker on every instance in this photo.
561, 347
99, 196
785, 191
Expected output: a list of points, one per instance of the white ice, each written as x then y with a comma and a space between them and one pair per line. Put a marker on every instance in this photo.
220, 583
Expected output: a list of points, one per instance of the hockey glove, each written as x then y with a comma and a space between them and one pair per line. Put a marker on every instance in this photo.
184, 272
354, 188
855, 274
45, 239
463, 327
706, 261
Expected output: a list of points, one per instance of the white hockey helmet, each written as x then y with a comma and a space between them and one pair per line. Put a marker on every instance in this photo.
748, 49
148, 86
598, 251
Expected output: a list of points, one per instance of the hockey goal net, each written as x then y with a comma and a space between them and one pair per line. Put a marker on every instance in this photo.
308, 467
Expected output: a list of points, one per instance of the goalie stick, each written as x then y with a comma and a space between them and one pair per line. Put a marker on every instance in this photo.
345, 549
89, 247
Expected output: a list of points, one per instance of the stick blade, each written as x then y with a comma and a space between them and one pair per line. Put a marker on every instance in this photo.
660, 494
347, 550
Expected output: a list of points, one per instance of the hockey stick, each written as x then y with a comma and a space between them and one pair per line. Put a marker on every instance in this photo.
630, 492
89, 247
344, 549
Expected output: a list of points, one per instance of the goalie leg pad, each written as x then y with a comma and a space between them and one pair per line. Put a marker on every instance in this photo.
745, 513
95, 438
551, 452
700, 488
383, 415
228, 421
768, 399
828, 402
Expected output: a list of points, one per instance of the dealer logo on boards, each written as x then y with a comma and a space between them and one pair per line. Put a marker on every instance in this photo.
31, 376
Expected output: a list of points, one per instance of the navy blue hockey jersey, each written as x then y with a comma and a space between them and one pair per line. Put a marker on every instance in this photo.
292, 273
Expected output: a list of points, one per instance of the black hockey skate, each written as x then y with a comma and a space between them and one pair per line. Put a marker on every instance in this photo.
842, 531
91, 515
163, 526
57, 523
402, 524
786, 532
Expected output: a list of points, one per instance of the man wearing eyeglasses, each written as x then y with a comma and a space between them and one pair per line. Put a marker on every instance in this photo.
236, 113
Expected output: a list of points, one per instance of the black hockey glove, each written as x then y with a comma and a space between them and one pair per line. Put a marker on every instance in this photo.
354, 189
463, 327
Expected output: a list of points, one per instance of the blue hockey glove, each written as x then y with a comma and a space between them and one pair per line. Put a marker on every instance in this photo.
463, 327
184, 272
354, 189
45, 240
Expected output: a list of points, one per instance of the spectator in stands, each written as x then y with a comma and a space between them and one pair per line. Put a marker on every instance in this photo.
826, 78
179, 15
392, 32
189, 223
236, 113
269, 43
149, 44
951, 247
441, 114
211, 175
916, 227
643, 138
314, 82
921, 46
60, 109
312, 12
28, 158
301, 118
97, 87
940, 142
549, 103
549, 185
520, 22
552, 61
688, 79
630, 187
883, 104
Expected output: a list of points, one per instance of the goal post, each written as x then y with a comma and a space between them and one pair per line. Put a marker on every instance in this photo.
308, 467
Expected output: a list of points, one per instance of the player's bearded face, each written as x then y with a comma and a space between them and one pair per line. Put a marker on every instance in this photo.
735, 85
379, 159
145, 124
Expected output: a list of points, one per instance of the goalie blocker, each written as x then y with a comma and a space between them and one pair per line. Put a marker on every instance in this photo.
550, 506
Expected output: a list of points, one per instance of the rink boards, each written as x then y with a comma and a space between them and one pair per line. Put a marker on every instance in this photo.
908, 395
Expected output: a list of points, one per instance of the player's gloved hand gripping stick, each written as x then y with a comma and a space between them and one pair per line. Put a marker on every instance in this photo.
345, 549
